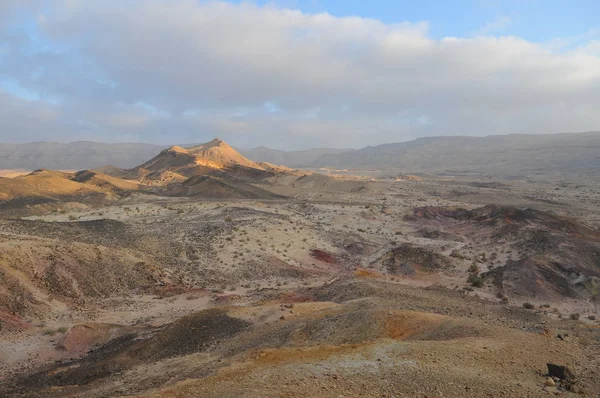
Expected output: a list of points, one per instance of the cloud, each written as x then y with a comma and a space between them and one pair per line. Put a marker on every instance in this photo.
184, 71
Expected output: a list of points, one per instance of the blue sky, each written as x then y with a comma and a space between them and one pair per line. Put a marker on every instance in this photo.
296, 73
534, 20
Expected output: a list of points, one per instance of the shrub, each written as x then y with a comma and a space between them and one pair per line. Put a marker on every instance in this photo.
474, 269
475, 280
456, 254
529, 306
574, 316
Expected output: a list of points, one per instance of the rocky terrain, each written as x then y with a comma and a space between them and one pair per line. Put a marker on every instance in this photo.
203, 273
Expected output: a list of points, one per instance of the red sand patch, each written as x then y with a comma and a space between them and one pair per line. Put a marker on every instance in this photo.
9, 321
323, 256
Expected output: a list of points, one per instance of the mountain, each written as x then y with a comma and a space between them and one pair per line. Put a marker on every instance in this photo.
513, 155
212, 156
74, 156
500, 155
82, 155
210, 170
291, 158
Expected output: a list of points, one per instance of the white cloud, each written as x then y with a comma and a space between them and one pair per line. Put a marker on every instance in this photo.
212, 67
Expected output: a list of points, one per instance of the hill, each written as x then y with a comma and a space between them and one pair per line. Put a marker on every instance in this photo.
44, 187
48, 188
558, 256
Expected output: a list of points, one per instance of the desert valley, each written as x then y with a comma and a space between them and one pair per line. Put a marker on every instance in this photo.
201, 272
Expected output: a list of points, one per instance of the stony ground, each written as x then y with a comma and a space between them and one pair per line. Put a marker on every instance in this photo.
330, 293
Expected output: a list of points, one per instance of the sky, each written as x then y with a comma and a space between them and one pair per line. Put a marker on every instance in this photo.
296, 74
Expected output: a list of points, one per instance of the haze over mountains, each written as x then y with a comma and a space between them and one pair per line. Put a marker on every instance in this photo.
499, 156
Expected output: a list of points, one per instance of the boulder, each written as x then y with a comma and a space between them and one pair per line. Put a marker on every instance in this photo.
562, 372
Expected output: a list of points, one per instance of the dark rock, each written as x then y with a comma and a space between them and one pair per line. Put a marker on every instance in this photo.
562, 372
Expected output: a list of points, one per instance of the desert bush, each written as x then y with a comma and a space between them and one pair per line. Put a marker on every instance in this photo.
456, 254
574, 316
529, 306
475, 280
474, 269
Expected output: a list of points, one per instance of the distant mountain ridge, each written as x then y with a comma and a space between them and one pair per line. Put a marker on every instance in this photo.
499, 155
77, 155
289, 158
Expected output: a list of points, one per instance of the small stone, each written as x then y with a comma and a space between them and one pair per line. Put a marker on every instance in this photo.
574, 388
549, 382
